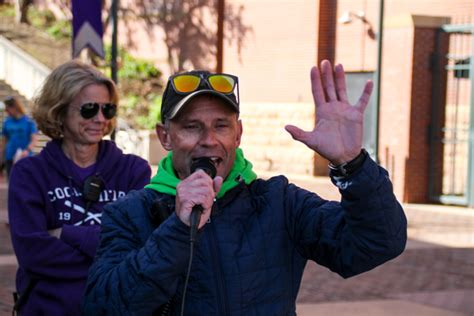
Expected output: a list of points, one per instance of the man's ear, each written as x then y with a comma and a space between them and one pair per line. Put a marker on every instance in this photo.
240, 130
163, 136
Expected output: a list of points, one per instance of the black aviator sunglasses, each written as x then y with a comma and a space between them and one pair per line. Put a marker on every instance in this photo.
89, 110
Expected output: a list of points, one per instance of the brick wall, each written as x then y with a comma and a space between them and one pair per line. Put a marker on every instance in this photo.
274, 64
327, 26
405, 117
417, 169
439, 89
395, 97
358, 52
268, 145
354, 47
275, 88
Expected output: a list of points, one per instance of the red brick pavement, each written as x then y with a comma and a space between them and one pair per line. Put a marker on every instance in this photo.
7, 269
427, 270
7, 286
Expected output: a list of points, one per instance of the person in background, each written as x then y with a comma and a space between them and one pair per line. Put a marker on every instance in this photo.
255, 235
55, 199
19, 133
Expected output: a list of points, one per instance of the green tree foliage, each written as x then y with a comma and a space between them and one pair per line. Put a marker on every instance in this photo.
59, 29
140, 84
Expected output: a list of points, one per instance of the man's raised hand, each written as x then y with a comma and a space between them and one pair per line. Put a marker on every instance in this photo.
337, 135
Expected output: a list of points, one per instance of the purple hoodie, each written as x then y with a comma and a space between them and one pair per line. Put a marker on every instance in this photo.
44, 194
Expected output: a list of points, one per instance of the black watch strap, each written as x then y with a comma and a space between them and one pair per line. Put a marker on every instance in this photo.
348, 168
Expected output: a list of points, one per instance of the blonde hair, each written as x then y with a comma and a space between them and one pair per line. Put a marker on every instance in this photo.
14, 102
61, 86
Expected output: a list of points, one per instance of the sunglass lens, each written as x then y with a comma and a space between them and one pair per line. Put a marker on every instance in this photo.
89, 110
186, 83
109, 110
222, 83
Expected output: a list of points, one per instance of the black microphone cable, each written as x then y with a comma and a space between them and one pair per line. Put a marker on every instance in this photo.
206, 165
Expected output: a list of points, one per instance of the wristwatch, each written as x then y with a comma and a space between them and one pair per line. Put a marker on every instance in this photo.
347, 168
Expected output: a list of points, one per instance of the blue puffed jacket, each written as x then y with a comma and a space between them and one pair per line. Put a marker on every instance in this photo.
249, 259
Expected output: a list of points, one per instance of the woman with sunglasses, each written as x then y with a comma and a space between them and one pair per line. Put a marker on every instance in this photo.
56, 198
18, 131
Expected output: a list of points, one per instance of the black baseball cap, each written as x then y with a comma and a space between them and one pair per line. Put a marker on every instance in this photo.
174, 101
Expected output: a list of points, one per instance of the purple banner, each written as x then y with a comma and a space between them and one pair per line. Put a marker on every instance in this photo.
87, 26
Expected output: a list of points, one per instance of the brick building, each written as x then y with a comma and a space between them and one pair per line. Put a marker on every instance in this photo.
425, 116
424, 107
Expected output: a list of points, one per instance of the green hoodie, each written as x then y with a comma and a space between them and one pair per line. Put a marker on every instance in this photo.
166, 180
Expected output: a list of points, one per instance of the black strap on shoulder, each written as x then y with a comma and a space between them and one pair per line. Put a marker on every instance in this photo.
161, 209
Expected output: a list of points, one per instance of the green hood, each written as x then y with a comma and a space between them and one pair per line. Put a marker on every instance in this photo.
166, 180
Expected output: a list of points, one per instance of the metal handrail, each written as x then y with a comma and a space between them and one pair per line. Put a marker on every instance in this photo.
21, 71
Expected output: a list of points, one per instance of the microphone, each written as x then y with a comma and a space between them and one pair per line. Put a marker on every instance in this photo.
205, 164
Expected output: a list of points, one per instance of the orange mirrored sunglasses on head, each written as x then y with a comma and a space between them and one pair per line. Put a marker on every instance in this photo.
187, 83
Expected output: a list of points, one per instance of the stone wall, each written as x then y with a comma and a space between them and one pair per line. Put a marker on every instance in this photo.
268, 145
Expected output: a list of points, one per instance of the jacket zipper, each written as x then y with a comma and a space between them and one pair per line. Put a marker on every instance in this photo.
220, 279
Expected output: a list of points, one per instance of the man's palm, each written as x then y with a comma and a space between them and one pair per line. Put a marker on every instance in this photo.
337, 135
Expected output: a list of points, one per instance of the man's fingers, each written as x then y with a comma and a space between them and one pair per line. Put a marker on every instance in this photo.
310, 139
317, 87
196, 185
217, 183
295, 132
328, 80
298, 134
364, 98
341, 83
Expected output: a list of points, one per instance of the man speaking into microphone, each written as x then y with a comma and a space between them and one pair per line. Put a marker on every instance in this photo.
253, 236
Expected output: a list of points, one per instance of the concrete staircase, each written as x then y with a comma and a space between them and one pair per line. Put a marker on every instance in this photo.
6, 91
40, 46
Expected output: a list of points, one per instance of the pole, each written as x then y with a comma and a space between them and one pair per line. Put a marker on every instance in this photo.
113, 61
378, 75
470, 167
114, 49
220, 35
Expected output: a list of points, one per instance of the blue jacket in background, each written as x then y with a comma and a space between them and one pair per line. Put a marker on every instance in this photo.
18, 133
249, 259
